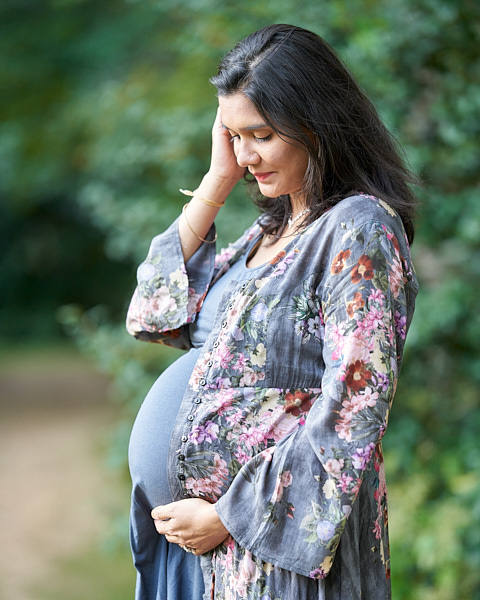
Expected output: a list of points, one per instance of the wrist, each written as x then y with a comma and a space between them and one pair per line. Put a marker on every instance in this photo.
215, 187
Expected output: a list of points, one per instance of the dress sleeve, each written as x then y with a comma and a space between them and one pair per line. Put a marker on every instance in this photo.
169, 293
289, 505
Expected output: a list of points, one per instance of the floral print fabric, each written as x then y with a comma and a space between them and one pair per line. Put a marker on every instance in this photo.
282, 421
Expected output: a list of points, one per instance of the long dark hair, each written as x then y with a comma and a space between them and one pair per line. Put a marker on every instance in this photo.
308, 97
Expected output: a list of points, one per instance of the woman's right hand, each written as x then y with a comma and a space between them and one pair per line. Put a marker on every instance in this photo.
215, 187
223, 164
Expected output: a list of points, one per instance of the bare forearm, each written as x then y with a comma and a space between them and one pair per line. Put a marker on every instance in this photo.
197, 221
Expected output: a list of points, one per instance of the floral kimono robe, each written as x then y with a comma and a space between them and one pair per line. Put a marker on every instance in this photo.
282, 419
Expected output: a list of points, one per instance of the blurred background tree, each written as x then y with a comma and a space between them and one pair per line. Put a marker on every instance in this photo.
105, 111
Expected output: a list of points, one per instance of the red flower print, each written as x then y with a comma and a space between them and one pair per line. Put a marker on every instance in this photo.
278, 257
355, 304
357, 376
339, 261
363, 268
297, 403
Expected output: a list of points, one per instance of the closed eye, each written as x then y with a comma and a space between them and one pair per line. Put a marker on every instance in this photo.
257, 139
262, 139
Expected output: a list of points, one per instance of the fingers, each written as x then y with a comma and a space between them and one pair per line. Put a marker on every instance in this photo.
162, 512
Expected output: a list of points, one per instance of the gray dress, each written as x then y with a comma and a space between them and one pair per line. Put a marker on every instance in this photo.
282, 419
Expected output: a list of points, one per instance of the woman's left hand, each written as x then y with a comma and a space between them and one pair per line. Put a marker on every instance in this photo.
192, 523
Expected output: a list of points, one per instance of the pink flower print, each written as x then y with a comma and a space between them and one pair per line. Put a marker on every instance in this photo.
224, 255
334, 467
396, 278
247, 575
250, 377
286, 478
374, 317
283, 481
220, 465
241, 362
223, 356
278, 424
377, 296
162, 301
235, 418
377, 530
267, 453
366, 397
194, 485
239, 304
252, 436
345, 481
344, 428
242, 456
199, 371
223, 400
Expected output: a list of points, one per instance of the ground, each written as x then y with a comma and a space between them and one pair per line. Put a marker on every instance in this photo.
57, 497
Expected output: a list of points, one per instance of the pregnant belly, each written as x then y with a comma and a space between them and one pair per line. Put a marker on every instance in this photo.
150, 437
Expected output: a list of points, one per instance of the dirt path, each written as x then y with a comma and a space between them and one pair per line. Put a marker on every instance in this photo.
53, 501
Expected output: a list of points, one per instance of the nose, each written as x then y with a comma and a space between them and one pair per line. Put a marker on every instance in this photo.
246, 155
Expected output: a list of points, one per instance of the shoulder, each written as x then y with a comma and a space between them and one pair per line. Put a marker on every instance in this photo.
358, 212
362, 209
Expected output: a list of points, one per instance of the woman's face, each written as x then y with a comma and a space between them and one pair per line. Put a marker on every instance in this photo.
278, 166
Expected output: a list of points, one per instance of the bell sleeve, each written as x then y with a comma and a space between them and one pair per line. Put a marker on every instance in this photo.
290, 504
169, 293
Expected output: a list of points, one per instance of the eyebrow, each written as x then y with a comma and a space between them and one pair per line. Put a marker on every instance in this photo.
249, 128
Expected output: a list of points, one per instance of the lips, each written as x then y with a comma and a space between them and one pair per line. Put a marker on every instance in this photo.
262, 176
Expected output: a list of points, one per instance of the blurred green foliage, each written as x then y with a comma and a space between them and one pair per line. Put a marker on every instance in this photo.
105, 111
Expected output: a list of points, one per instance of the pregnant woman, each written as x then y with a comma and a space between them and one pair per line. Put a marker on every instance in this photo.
256, 458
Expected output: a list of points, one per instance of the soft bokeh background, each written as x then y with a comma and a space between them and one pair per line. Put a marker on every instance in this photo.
105, 111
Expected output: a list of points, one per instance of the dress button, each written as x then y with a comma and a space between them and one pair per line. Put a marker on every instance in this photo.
184, 438
244, 285
224, 324
198, 400
190, 417
209, 363
202, 381
181, 476
216, 344
231, 305
181, 457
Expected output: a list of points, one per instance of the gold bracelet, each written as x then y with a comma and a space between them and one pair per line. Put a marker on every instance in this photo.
184, 212
204, 200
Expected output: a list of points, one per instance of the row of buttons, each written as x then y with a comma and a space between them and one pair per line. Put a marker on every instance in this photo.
203, 382
184, 438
